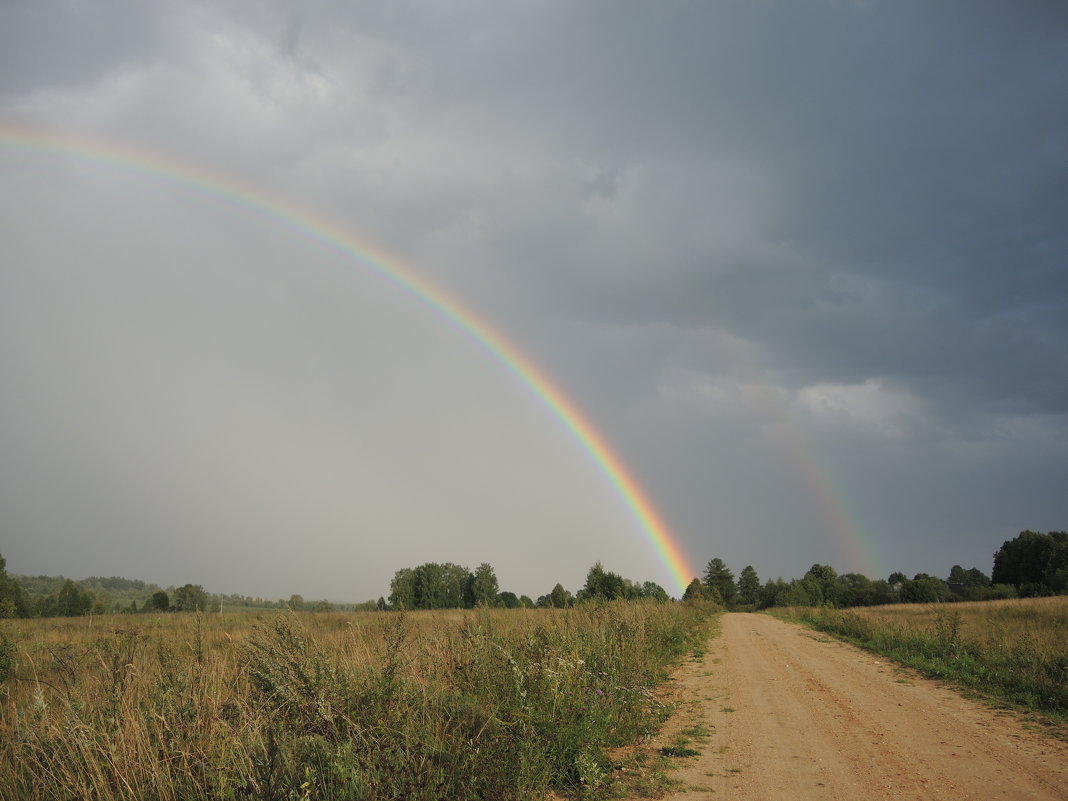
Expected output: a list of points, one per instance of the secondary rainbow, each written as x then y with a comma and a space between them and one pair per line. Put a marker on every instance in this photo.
856, 551
234, 192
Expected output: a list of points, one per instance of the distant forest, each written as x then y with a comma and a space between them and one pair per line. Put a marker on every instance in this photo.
1031, 564
57, 596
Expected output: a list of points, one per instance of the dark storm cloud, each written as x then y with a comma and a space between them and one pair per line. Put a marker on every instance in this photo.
907, 191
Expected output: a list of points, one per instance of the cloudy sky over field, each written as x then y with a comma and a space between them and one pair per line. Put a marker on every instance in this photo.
803, 264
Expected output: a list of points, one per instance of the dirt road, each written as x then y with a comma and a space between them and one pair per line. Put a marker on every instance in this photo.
786, 713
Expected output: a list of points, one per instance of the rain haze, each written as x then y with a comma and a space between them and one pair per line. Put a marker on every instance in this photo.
803, 266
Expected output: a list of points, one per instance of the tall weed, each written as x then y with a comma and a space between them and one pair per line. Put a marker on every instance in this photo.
429, 705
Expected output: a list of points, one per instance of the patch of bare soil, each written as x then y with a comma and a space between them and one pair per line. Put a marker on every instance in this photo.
781, 712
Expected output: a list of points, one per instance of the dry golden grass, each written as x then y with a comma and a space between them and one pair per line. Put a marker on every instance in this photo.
1038, 623
486, 703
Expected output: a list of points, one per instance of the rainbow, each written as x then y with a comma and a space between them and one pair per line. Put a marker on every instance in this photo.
233, 192
857, 552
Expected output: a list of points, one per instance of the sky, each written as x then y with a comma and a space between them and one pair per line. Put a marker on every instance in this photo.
803, 266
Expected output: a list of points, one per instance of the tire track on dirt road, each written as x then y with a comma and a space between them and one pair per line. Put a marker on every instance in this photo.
796, 715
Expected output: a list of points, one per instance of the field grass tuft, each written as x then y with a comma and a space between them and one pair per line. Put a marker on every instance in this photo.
502, 704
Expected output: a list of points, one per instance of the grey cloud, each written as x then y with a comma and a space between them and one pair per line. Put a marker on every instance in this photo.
50, 45
687, 214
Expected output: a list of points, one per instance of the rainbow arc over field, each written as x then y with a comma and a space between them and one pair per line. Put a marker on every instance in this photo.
205, 182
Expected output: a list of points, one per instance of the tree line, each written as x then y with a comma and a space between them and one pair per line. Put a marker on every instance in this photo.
428, 586
1031, 564
56, 596
50, 596
450, 586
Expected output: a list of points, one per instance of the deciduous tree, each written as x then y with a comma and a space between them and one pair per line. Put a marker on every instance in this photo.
72, 601
402, 589
821, 585
601, 583
484, 587
650, 589
1034, 563
191, 598
695, 591
13, 601
560, 598
159, 601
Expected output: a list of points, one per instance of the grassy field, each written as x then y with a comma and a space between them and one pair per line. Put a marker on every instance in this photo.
501, 704
1013, 651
